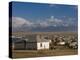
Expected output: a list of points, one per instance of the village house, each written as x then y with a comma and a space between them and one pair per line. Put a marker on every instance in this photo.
31, 42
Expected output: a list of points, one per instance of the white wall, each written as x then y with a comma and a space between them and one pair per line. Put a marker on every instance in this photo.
45, 45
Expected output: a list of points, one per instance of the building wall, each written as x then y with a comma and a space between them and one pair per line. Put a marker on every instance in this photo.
25, 45
38, 43
42, 45
31, 45
19, 45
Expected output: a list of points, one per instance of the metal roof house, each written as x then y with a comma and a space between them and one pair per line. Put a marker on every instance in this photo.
31, 42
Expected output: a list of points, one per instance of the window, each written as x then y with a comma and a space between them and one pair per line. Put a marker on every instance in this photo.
46, 38
41, 45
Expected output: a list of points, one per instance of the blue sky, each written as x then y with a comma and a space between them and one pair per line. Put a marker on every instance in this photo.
41, 11
45, 14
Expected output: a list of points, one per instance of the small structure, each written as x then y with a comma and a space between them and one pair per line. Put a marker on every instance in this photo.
73, 45
61, 43
32, 42
18, 43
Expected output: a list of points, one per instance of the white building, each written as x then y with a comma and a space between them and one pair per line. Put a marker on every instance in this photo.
42, 42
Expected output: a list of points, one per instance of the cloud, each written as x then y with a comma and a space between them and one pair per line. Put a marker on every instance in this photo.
44, 24
21, 24
48, 22
57, 21
52, 21
53, 5
66, 25
18, 22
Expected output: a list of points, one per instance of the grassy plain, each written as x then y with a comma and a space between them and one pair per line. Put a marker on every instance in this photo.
42, 53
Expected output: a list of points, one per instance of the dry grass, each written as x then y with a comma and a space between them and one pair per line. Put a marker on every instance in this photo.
44, 33
42, 53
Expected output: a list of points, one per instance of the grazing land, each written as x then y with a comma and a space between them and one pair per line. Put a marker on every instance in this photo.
47, 33
58, 51
43, 53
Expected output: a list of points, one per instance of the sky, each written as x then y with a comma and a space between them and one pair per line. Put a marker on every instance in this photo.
43, 15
